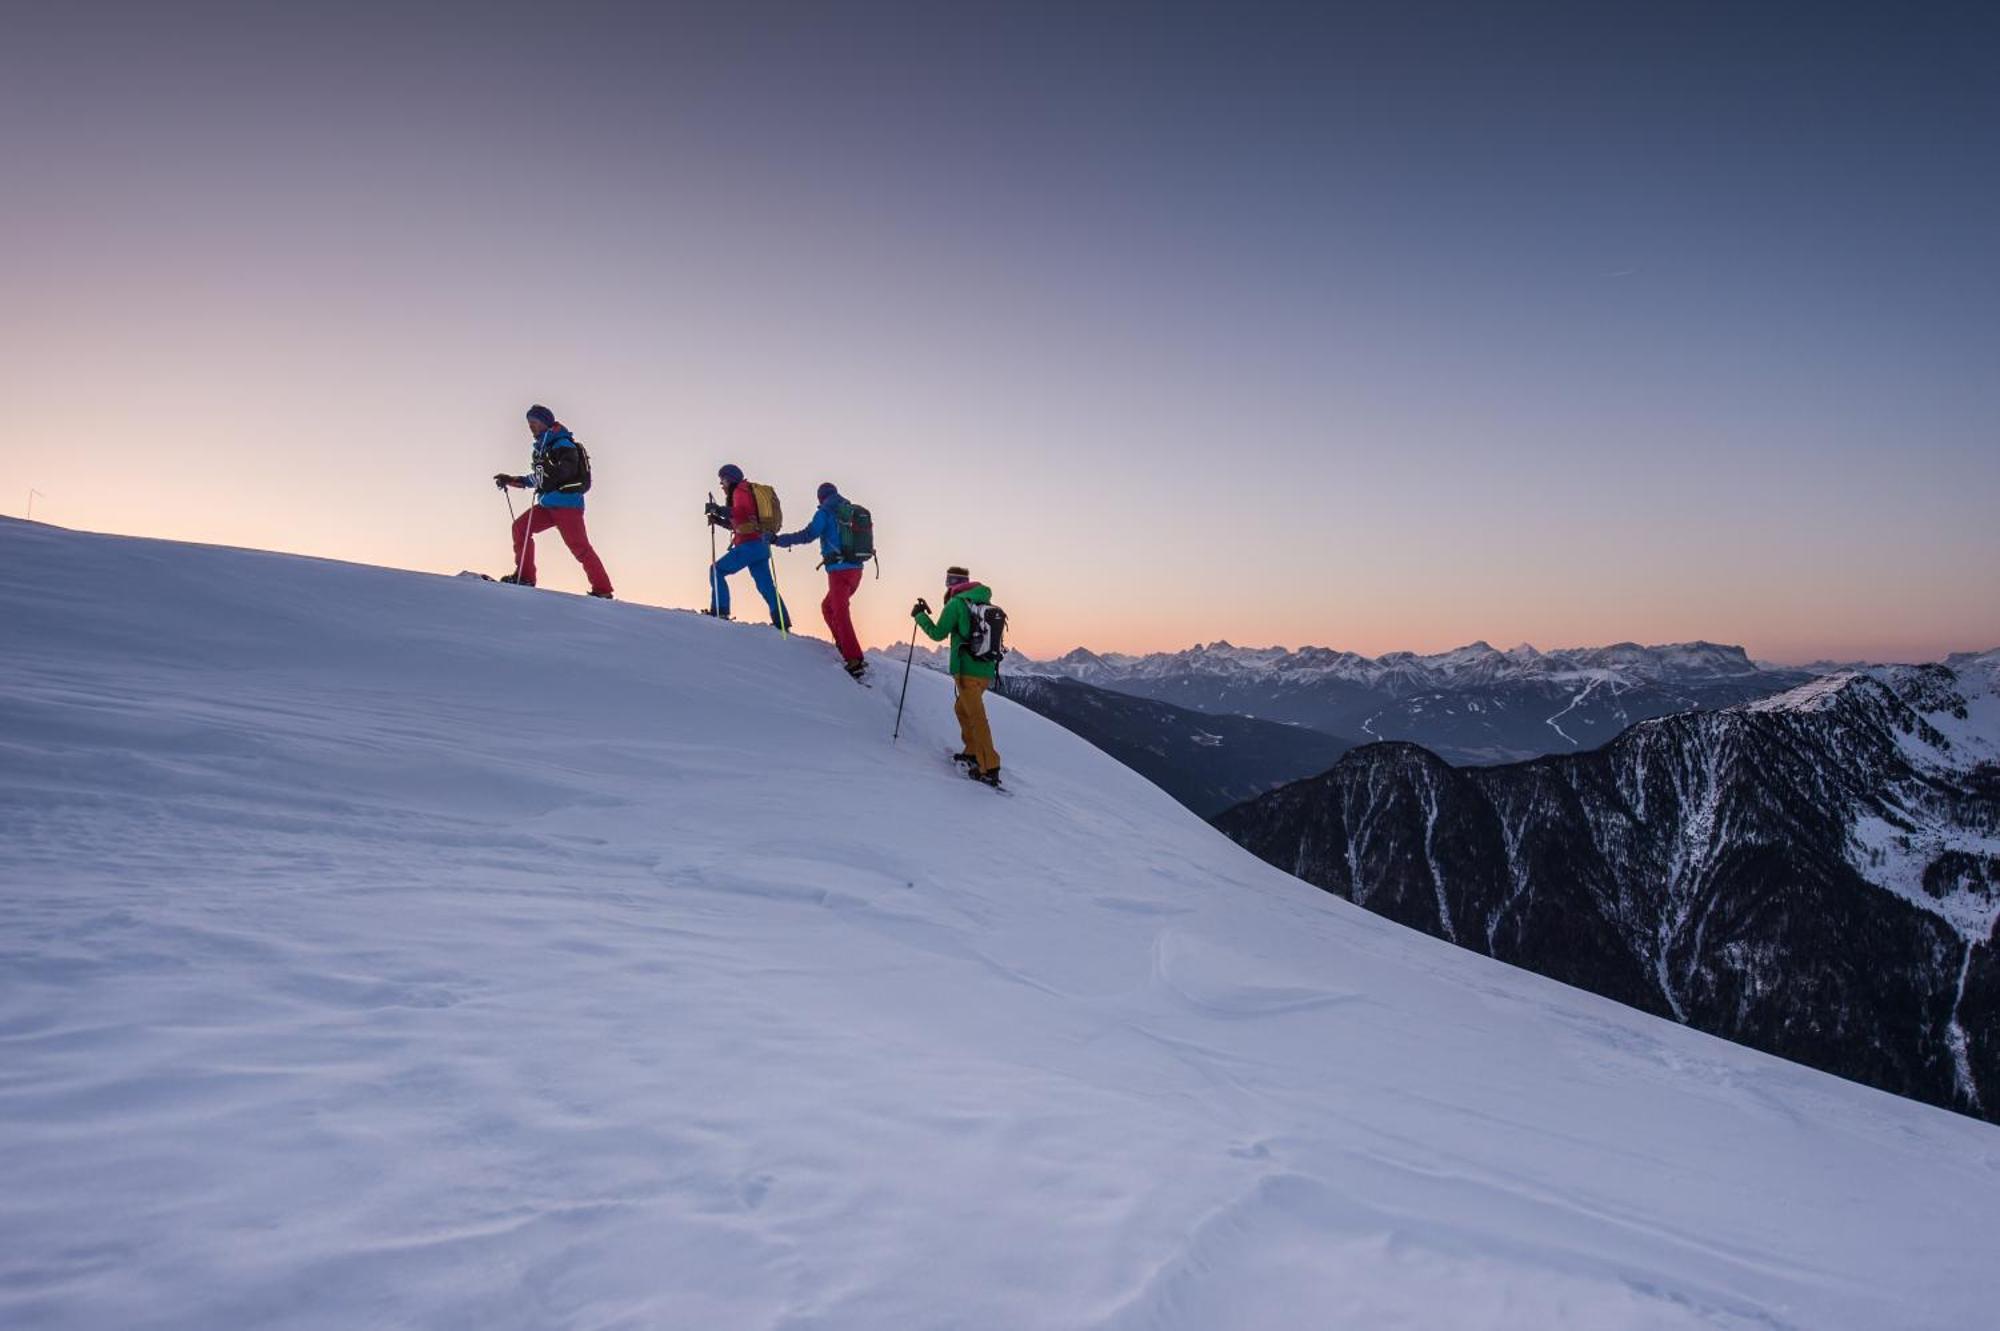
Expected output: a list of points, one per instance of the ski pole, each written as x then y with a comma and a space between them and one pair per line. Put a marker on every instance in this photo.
777, 594
715, 596
521, 558
907, 662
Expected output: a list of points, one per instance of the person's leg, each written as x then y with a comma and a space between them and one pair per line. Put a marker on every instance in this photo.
732, 560
840, 588
970, 706
959, 707
525, 527
760, 573
569, 521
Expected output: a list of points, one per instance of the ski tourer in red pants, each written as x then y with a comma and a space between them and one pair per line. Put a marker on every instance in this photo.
557, 481
843, 575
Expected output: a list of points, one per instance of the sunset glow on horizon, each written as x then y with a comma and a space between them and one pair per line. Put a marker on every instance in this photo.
1567, 325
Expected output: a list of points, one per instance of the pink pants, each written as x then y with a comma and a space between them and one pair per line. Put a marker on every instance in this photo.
568, 522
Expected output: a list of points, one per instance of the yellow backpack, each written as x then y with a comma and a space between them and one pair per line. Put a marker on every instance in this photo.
770, 513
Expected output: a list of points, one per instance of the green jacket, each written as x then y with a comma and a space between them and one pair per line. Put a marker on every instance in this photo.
955, 621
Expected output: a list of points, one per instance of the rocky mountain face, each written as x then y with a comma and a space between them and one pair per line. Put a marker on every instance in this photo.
1206, 761
1815, 874
1471, 705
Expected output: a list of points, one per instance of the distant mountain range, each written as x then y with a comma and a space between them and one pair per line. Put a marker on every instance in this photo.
1206, 761
1816, 874
1471, 705
1216, 724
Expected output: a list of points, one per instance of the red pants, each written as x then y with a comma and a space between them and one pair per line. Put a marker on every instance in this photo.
841, 585
568, 522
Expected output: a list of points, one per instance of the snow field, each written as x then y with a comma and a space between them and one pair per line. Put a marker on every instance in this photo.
388, 950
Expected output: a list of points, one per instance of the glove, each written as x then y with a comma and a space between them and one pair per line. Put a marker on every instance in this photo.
717, 514
922, 607
501, 480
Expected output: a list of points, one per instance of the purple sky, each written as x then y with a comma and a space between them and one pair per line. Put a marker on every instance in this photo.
1380, 327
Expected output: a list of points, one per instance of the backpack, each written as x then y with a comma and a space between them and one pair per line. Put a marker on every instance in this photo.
982, 642
854, 533
770, 519
565, 470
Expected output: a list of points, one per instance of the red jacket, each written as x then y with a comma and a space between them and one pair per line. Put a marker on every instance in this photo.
743, 516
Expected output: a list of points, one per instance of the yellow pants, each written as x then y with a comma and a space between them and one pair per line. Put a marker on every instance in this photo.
972, 727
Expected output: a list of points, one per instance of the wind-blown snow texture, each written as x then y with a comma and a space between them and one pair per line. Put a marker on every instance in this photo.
388, 950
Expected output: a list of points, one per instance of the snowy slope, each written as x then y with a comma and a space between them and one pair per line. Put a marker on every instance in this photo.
388, 950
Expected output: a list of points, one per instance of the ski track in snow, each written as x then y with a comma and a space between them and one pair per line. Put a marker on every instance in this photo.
354, 974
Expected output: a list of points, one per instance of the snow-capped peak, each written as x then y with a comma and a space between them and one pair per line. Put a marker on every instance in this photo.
1814, 695
1405, 673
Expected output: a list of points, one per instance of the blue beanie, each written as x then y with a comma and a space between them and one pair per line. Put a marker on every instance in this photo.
827, 490
538, 412
730, 473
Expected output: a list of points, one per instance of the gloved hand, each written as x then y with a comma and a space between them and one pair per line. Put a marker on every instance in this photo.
922, 607
716, 513
501, 480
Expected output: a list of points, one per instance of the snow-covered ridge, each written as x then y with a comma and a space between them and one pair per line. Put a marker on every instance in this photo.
1947, 717
1411, 672
1814, 696
1400, 672
1926, 738
1473, 705
1694, 862
390, 950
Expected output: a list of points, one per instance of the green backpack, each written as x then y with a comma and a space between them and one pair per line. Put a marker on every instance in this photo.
854, 532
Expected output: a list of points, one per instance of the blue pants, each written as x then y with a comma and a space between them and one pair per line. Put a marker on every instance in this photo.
753, 555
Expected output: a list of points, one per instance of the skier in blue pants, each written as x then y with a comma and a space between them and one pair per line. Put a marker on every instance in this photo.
749, 546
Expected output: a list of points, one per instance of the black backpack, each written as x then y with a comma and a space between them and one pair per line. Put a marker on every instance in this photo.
854, 530
564, 470
983, 643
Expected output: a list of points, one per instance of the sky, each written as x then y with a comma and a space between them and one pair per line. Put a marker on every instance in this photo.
1379, 327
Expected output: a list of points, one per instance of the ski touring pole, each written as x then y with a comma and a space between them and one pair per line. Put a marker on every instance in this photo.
521, 556
907, 662
714, 592
778, 595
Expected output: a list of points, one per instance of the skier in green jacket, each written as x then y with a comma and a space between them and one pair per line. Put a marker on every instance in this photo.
972, 675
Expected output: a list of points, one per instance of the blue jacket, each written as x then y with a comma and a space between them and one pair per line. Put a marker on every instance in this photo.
824, 528
550, 441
